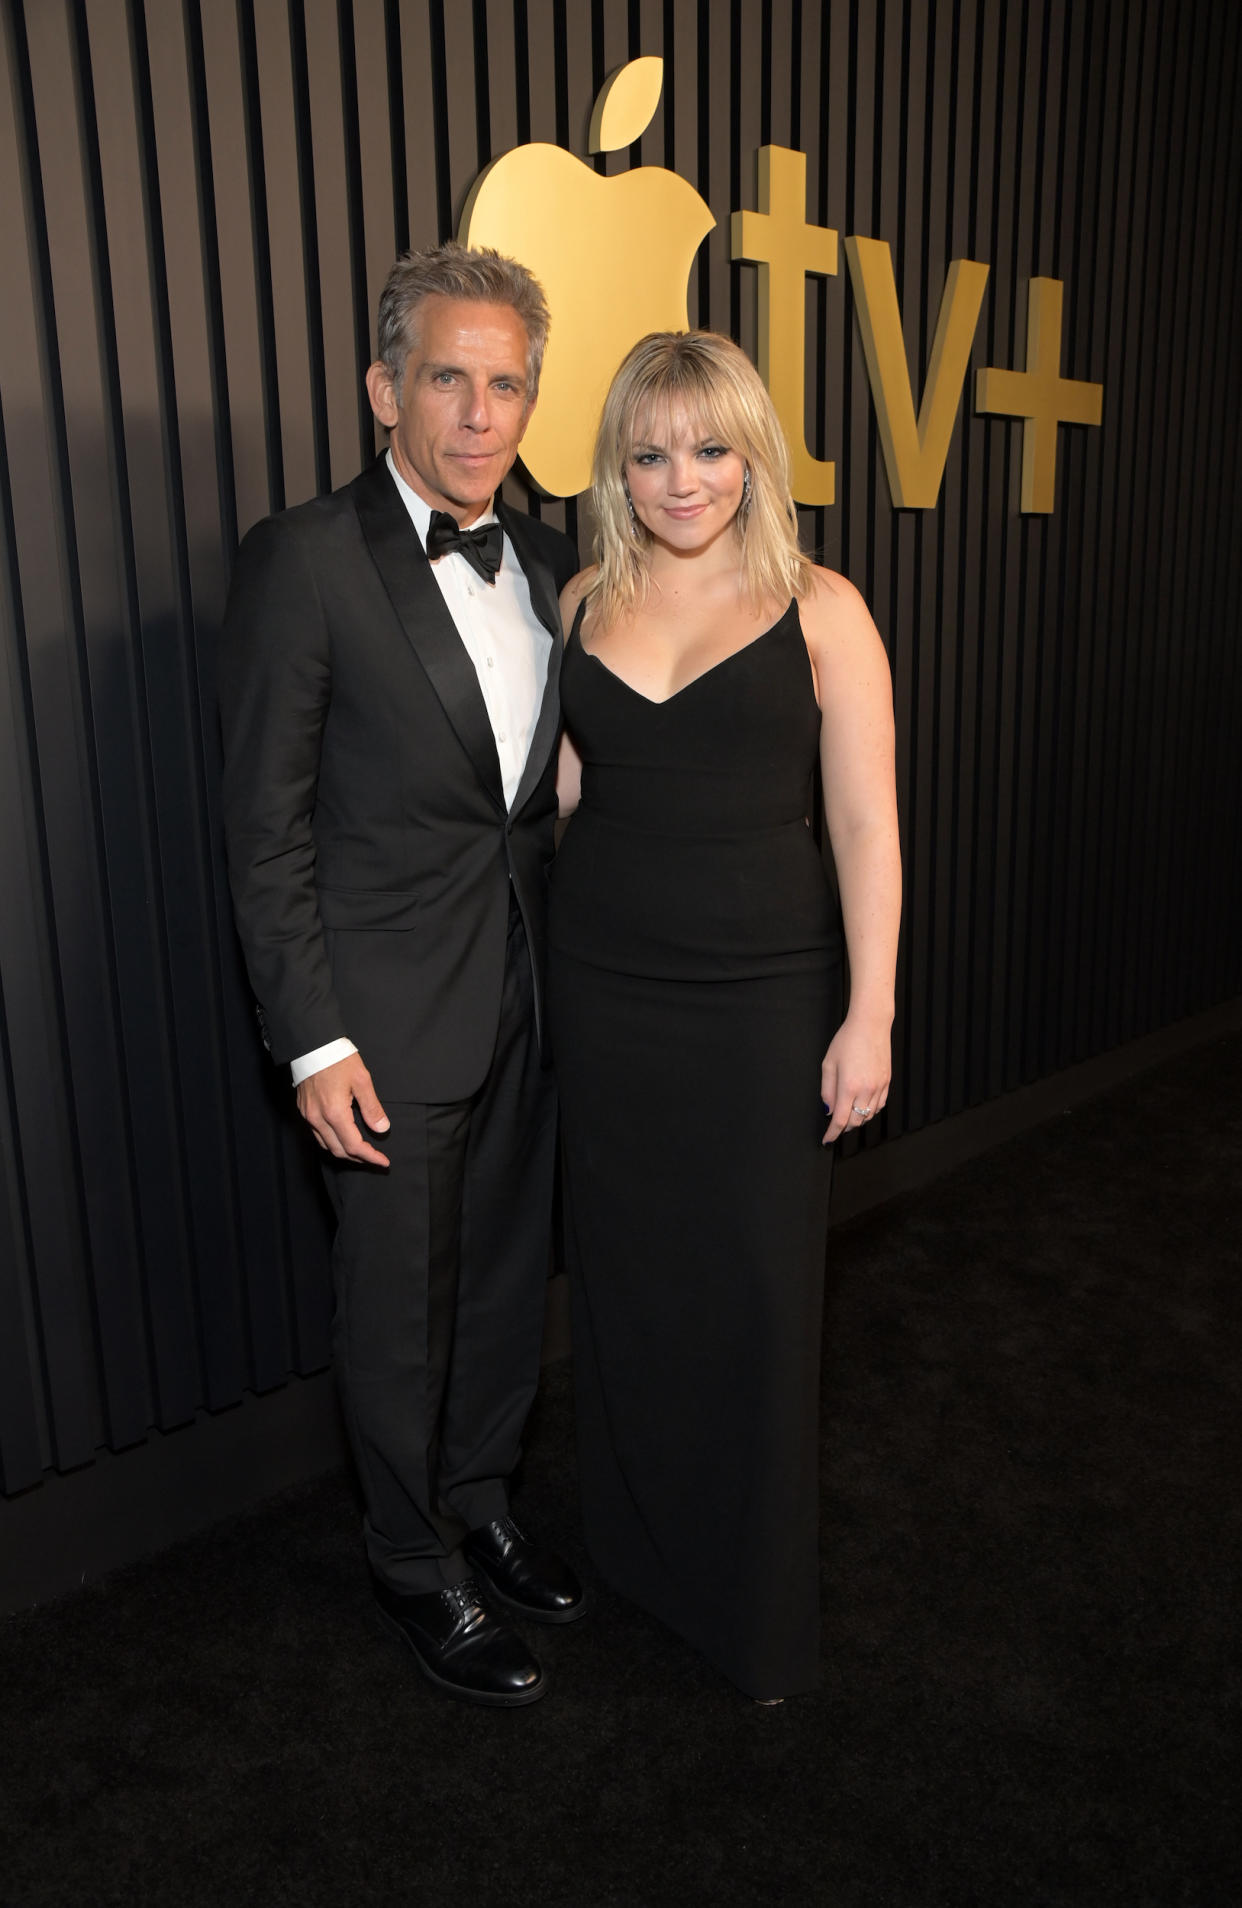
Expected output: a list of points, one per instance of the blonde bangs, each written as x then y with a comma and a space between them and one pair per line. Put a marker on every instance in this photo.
702, 402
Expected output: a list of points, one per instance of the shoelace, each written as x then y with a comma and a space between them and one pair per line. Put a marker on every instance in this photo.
467, 1599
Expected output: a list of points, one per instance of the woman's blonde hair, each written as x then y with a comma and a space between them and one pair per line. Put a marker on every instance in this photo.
714, 382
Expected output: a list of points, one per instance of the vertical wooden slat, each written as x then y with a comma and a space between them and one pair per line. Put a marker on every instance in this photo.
1024, 976
353, 115
237, 282
1140, 768
938, 631
544, 59
1005, 536
1156, 427
1214, 778
861, 214
249, 509
913, 635
808, 131
1190, 875
308, 225
1035, 1013
834, 336
717, 54
380, 163
1060, 249
681, 111
498, 77
392, 67
1099, 886
583, 75
610, 37
1115, 870
462, 150
429, 218
646, 35
734, 289
332, 233
984, 467
1084, 769
273, 114
962, 762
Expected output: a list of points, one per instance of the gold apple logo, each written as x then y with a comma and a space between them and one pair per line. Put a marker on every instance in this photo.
613, 255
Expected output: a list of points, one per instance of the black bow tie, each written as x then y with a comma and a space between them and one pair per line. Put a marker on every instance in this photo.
481, 548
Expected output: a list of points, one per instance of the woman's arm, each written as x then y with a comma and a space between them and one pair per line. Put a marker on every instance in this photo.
568, 779
860, 804
569, 762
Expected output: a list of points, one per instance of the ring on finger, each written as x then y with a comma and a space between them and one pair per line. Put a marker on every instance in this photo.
863, 1112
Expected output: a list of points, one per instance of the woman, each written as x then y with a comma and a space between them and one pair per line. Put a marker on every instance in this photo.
694, 998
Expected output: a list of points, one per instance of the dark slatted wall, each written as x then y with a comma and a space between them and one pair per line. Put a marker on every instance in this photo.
198, 202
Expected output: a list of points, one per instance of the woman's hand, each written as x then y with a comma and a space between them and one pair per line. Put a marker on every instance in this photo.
855, 1075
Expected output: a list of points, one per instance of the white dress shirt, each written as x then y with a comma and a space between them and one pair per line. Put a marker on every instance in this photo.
509, 648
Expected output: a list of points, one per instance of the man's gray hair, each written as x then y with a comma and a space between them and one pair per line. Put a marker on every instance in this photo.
450, 270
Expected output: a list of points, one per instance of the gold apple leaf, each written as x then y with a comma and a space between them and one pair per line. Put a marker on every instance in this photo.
626, 104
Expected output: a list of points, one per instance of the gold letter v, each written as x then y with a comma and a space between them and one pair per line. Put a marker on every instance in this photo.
914, 453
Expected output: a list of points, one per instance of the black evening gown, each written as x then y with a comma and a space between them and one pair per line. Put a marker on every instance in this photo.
693, 987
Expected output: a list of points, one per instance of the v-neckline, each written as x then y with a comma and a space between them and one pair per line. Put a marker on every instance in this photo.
662, 702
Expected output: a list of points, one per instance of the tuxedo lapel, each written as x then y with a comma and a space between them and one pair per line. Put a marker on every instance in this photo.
519, 530
421, 610
544, 602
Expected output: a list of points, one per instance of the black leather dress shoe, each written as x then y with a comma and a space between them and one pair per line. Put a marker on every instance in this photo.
529, 1580
461, 1645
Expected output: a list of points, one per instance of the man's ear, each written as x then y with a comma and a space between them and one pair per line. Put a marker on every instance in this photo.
382, 395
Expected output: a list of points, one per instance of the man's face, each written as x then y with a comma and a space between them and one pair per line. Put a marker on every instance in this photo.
463, 406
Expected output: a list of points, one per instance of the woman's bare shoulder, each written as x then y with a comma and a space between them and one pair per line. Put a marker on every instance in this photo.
830, 590
573, 593
832, 607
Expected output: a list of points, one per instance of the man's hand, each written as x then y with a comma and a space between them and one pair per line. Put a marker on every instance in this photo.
326, 1102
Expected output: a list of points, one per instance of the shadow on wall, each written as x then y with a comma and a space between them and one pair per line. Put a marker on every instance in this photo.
167, 1220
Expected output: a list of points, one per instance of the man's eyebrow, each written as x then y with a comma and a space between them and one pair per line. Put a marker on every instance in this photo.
430, 369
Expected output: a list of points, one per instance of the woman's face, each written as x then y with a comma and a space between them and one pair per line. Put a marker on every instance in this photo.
685, 483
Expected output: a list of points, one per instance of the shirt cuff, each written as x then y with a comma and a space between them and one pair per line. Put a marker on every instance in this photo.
314, 1062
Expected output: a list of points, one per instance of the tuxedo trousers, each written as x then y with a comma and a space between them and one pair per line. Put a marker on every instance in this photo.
440, 1264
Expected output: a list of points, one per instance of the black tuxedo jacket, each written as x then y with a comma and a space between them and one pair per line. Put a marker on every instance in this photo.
370, 849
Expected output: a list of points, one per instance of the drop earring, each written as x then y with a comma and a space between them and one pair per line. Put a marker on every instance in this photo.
629, 504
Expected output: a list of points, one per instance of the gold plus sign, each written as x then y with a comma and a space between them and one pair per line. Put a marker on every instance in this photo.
785, 248
1040, 395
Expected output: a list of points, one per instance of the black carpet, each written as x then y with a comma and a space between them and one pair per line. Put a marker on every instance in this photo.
1031, 1564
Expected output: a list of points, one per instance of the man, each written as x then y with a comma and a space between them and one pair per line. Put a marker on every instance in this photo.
388, 690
